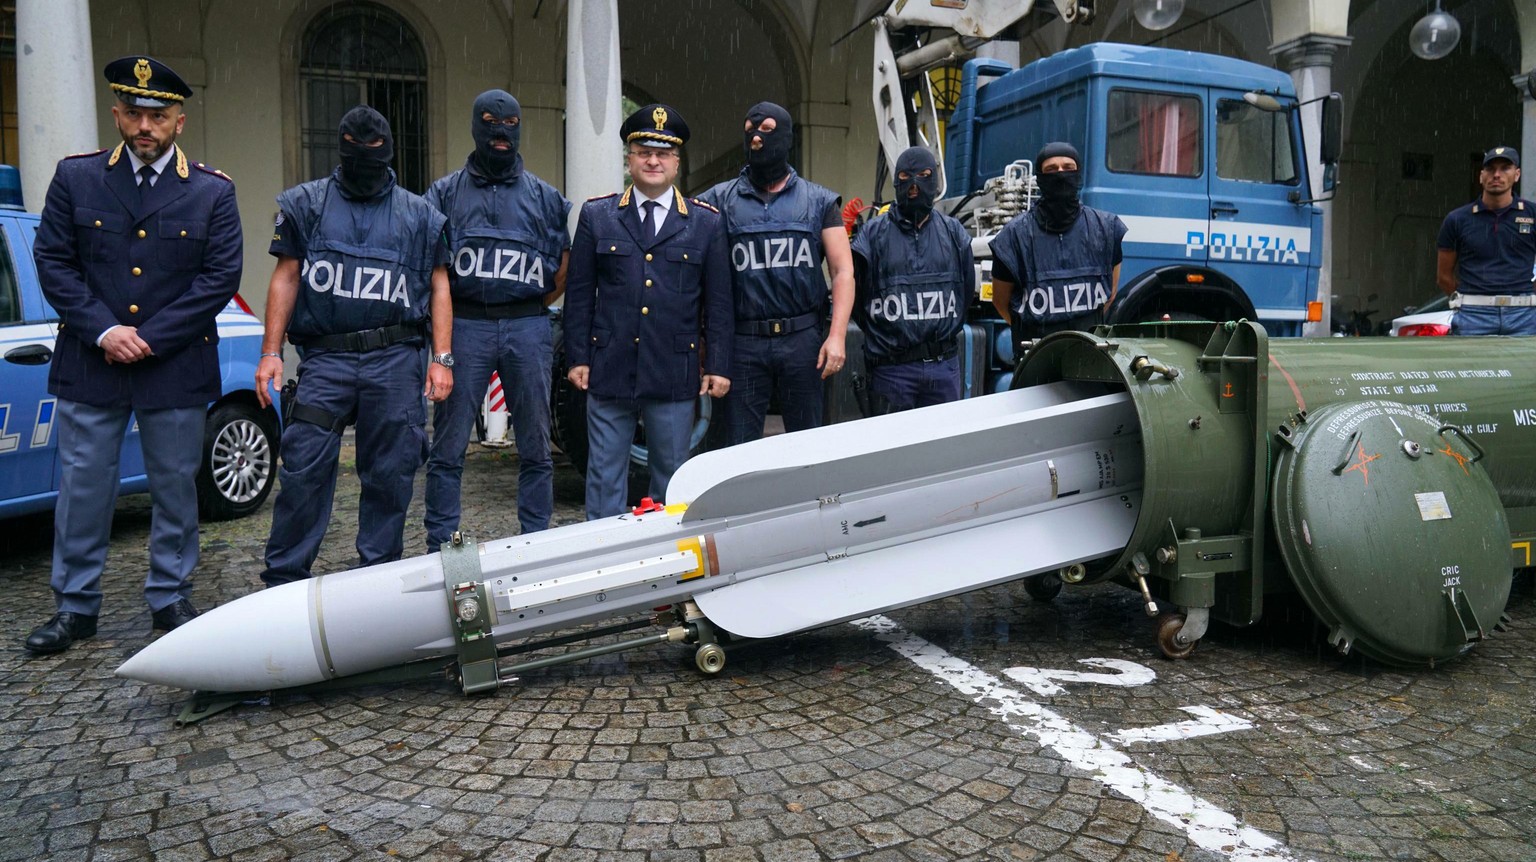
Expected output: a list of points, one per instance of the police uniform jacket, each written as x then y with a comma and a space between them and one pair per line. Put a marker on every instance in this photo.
166, 262
646, 312
506, 237
914, 283
1061, 276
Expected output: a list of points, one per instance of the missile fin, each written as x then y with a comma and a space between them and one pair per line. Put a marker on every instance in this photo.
909, 574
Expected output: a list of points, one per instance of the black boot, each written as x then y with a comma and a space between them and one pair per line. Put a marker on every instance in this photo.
172, 615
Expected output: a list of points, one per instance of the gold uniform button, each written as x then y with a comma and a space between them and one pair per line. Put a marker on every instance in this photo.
133, 309
645, 310
137, 271
98, 223
690, 345
183, 233
647, 258
647, 282
685, 255
637, 340
610, 248
142, 234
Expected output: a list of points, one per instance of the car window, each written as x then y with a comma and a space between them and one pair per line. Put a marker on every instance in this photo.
10, 293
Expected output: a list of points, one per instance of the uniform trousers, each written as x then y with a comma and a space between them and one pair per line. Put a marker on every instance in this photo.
90, 442
1494, 320
764, 367
611, 433
520, 350
917, 384
382, 388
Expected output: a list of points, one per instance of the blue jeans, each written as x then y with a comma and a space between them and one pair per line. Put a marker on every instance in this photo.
383, 388
917, 384
519, 349
764, 366
1493, 320
611, 432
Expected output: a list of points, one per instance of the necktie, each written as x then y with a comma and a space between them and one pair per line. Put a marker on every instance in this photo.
648, 216
146, 176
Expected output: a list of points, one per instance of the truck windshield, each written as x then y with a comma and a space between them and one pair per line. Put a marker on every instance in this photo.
1154, 133
1253, 145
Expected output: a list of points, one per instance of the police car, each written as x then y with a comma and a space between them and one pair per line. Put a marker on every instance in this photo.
239, 444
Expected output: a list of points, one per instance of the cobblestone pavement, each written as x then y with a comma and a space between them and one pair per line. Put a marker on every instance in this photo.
848, 742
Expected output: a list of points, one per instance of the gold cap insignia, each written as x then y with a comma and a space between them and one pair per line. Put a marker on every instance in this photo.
660, 116
1499, 151
142, 72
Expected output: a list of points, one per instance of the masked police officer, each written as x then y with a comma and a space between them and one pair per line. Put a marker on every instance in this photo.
648, 319
914, 278
1486, 250
138, 250
507, 232
360, 274
1058, 268
781, 228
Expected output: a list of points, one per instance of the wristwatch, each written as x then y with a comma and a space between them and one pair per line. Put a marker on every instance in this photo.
443, 359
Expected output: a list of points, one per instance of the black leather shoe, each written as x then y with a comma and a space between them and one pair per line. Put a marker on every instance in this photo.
58, 633
172, 615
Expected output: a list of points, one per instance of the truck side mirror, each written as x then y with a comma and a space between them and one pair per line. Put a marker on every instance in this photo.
1331, 142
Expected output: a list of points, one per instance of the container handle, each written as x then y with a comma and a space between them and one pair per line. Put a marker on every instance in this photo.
1477, 451
1349, 449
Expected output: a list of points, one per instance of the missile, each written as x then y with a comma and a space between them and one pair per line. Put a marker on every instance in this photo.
781, 535
1389, 482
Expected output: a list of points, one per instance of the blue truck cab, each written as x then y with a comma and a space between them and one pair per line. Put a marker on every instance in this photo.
1200, 155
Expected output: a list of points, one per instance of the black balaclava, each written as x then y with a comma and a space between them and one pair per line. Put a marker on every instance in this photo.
1058, 207
771, 163
364, 171
913, 161
487, 161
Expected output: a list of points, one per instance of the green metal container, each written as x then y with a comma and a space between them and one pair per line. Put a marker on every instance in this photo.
1388, 481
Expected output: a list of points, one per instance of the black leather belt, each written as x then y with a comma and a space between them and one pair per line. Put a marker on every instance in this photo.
361, 342
918, 353
470, 309
781, 326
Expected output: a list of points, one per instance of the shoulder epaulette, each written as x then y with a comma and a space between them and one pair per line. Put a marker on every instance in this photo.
601, 197
215, 171
710, 207
83, 155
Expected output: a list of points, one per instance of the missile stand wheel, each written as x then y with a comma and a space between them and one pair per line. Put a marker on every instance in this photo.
710, 658
1168, 628
1043, 588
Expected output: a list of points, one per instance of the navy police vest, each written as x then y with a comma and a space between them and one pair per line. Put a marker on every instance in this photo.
367, 264
1062, 276
918, 284
506, 239
776, 252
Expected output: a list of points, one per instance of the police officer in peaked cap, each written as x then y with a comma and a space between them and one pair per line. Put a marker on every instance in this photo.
138, 249
648, 313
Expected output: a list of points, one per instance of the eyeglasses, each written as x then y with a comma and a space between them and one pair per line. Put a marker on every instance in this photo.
505, 121
658, 155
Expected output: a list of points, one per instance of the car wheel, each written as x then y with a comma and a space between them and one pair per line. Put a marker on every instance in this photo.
239, 461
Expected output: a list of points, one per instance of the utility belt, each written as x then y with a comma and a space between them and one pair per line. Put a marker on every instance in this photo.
779, 326
471, 309
1524, 300
929, 352
364, 341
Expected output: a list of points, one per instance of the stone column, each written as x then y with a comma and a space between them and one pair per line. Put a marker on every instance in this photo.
1527, 133
1309, 60
594, 163
56, 87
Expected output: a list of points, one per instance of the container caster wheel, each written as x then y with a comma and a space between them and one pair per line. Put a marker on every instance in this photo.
1043, 588
1168, 628
710, 658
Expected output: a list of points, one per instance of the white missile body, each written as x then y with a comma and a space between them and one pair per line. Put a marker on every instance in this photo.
772, 537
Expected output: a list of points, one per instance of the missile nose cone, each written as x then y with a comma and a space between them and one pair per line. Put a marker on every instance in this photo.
261, 641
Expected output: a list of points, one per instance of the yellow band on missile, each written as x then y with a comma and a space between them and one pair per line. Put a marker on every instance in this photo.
692, 546
676, 508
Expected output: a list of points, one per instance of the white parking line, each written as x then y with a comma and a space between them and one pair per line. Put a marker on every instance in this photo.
1207, 826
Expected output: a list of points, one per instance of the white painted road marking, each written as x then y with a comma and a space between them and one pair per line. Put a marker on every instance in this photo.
1207, 826
1042, 680
1206, 722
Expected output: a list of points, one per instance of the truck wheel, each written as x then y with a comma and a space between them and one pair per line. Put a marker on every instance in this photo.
239, 461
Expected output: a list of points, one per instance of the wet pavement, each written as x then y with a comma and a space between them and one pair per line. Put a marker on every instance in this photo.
987, 726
